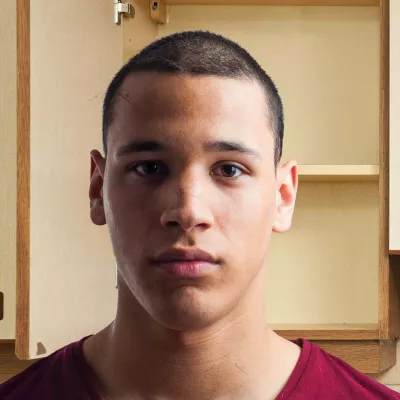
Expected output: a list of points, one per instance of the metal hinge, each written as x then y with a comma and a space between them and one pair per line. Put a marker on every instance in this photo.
121, 8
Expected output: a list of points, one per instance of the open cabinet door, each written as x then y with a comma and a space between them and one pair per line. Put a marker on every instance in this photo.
8, 176
394, 129
68, 51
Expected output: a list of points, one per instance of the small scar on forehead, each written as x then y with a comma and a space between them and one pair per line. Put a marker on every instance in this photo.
124, 96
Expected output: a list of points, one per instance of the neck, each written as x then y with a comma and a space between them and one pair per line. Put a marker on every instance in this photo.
236, 358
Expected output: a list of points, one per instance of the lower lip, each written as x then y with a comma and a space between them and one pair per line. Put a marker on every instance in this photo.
187, 269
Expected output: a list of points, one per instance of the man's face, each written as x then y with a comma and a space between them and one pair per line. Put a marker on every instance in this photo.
190, 165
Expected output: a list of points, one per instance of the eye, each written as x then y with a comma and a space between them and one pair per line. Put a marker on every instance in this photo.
146, 168
228, 171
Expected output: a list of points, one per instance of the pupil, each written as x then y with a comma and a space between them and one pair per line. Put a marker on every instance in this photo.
150, 168
229, 170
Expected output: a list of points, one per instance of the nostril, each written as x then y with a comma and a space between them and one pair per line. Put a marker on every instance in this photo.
173, 224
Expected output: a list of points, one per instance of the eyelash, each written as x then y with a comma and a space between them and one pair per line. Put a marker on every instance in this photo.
134, 168
242, 171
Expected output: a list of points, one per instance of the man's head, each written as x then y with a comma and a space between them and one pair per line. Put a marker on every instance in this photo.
200, 54
192, 131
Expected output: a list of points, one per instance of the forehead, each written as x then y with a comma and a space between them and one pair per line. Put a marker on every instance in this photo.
172, 105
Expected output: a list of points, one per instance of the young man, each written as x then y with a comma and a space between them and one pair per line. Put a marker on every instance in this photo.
191, 188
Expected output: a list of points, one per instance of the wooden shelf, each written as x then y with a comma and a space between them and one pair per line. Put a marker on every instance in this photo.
274, 2
357, 344
159, 10
340, 173
368, 356
10, 365
327, 331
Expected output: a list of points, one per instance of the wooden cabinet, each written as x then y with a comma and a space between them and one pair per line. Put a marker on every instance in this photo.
329, 279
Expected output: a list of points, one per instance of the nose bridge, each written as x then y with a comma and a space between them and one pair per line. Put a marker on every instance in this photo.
187, 207
188, 187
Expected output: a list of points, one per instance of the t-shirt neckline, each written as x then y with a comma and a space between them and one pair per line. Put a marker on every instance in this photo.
84, 373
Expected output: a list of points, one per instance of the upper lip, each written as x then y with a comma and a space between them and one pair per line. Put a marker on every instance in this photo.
184, 254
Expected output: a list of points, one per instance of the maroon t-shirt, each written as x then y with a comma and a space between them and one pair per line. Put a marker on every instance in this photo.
317, 376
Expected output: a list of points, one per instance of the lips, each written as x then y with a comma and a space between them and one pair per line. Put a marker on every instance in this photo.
185, 262
188, 254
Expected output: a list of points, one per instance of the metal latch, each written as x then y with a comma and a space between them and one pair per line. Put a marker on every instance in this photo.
121, 8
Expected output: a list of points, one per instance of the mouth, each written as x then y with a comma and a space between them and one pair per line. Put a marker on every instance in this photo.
186, 263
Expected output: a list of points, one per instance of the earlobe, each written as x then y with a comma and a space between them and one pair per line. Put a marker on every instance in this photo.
97, 168
286, 191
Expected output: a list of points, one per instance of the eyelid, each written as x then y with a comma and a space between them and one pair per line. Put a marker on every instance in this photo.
133, 166
243, 170
234, 164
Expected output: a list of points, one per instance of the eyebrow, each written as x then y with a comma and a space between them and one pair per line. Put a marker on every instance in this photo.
226, 146
138, 146
220, 146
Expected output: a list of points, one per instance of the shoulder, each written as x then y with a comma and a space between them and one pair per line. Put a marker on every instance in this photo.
51, 377
333, 378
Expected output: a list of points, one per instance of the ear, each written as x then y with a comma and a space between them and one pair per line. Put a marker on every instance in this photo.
97, 169
286, 190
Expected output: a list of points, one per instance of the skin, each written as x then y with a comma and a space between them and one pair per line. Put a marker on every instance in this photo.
201, 338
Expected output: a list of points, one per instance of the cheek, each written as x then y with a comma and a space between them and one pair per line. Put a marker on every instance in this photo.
248, 220
125, 201
128, 213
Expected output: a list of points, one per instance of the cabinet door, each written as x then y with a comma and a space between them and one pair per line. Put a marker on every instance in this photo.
394, 128
8, 176
68, 52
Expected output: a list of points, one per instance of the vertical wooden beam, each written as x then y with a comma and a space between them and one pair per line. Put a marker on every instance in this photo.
384, 177
23, 177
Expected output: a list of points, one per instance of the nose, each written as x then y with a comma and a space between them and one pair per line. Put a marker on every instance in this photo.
189, 206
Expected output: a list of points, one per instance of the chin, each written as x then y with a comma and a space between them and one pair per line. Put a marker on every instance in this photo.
187, 309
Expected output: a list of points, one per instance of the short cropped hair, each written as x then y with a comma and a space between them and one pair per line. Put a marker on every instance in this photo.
199, 53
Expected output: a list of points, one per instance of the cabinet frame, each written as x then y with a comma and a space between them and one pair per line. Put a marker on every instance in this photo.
23, 179
379, 335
